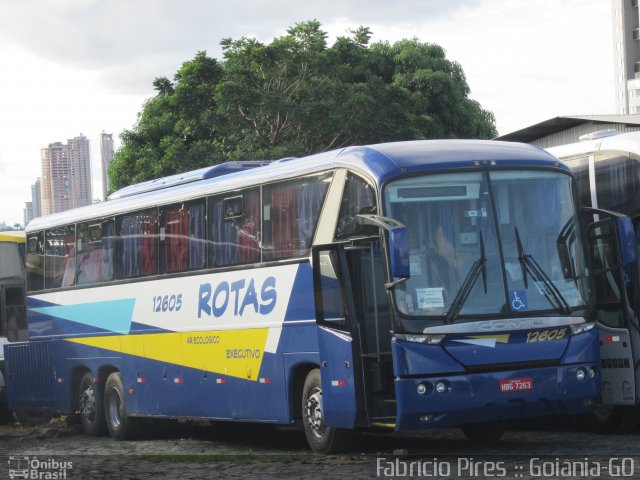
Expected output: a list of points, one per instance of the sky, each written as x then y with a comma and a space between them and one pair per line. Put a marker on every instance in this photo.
71, 67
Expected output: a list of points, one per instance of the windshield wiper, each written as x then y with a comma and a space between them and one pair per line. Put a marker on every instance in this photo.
538, 275
479, 266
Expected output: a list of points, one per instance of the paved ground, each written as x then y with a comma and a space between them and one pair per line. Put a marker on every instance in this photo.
234, 451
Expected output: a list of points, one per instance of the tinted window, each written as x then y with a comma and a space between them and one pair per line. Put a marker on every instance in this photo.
358, 197
290, 215
234, 228
35, 261
137, 252
95, 256
60, 257
182, 237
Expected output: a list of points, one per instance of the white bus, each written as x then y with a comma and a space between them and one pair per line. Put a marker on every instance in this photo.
607, 169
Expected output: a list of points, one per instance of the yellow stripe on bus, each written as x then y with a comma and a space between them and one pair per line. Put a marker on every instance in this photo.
12, 236
236, 353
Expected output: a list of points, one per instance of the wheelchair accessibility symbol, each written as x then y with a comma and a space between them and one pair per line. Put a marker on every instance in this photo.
518, 300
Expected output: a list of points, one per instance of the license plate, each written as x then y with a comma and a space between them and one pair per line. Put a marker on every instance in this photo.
516, 385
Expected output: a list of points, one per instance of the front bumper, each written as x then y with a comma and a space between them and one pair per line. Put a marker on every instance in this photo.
476, 398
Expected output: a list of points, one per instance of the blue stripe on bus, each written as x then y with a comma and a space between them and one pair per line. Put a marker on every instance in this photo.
302, 303
114, 315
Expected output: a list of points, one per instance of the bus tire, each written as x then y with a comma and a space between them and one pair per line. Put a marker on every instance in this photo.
321, 438
484, 432
90, 405
614, 419
119, 424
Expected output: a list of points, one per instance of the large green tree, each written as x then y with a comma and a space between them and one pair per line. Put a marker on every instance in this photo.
296, 96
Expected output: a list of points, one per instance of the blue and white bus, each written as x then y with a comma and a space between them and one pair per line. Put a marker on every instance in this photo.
403, 286
606, 165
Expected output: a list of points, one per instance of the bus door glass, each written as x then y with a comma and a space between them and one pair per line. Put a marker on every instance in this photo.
367, 272
337, 336
612, 314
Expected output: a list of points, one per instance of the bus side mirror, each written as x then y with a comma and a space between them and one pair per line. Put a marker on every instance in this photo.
627, 239
399, 250
398, 242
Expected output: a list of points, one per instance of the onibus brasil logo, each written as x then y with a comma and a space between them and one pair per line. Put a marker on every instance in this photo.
38, 469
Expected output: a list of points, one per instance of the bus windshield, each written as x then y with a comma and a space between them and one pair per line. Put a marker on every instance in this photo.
495, 243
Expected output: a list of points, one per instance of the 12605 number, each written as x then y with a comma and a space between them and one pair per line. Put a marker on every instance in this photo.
546, 335
167, 303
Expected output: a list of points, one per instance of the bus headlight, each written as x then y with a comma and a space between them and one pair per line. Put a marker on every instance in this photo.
581, 374
582, 327
441, 387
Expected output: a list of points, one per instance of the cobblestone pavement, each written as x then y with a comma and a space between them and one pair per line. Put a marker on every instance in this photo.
234, 451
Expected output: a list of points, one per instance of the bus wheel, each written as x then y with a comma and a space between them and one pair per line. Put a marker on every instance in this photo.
90, 406
120, 426
321, 438
614, 419
484, 432
32, 418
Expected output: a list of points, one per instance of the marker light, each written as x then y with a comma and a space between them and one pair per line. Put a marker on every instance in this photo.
416, 338
592, 373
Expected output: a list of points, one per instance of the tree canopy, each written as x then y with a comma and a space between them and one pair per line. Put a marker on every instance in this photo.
296, 96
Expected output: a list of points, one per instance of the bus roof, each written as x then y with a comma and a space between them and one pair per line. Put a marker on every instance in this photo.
622, 142
14, 236
380, 162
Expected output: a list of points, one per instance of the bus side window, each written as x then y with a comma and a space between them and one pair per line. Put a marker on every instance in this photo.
581, 172
617, 183
60, 257
234, 228
95, 251
137, 244
290, 215
358, 197
35, 262
182, 242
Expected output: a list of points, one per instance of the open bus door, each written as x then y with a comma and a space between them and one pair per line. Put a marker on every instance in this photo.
354, 324
614, 271
330, 411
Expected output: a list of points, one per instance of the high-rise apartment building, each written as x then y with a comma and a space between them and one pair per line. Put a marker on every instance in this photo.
80, 162
66, 175
36, 195
106, 156
626, 55
32, 208
56, 173
28, 213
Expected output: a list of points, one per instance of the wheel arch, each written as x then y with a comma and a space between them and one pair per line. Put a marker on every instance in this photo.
297, 375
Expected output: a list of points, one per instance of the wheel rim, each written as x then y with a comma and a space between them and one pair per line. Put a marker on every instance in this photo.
314, 413
115, 408
88, 404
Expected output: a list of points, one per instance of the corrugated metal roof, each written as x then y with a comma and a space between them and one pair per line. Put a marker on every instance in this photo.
558, 124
